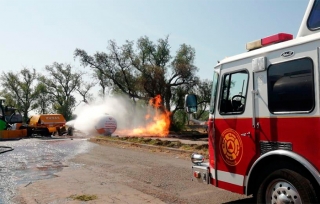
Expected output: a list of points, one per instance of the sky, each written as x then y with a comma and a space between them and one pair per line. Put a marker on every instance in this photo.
36, 33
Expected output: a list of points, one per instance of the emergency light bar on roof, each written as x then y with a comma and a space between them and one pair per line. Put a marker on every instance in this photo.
280, 37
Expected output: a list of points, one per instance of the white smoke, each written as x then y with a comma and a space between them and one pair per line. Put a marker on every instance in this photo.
120, 108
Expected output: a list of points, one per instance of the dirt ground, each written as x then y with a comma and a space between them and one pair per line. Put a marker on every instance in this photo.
73, 182
115, 174
86, 180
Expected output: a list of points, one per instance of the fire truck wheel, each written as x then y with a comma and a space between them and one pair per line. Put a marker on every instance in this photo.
285, 186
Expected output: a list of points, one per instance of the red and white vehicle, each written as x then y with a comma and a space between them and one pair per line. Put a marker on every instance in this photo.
264, 124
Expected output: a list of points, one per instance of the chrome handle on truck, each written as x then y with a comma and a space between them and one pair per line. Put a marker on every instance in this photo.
254, 93
246, 134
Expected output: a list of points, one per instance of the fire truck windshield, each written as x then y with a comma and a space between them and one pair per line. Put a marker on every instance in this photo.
214, 91
314, 18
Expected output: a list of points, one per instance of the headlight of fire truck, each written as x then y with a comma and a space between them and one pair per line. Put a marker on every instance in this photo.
197, 159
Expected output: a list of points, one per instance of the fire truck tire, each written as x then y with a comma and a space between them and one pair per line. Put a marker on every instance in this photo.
285, 186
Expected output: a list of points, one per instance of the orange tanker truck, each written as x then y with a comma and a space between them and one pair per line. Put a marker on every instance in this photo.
48, 124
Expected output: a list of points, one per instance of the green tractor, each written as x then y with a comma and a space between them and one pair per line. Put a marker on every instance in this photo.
10, 122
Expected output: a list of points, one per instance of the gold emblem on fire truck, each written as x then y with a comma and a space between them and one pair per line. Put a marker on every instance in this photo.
231, 148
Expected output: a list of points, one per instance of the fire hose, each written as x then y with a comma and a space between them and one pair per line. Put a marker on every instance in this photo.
4, 149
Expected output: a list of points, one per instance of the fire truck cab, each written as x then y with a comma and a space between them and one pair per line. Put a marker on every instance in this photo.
264, 123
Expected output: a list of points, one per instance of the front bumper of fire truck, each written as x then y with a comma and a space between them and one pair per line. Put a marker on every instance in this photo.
201, 170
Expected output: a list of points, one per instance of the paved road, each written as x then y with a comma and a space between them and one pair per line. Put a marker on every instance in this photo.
34, 159
122, 174
51, 170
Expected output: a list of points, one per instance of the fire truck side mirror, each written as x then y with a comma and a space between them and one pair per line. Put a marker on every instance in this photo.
190, 102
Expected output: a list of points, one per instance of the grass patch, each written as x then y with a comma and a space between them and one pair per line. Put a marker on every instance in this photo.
155, 142
84, 197
186, 147
202, 149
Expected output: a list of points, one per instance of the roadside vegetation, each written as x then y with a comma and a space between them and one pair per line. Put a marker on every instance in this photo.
189, 148
84, 197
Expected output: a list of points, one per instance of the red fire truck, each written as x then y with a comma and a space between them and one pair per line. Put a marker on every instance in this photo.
264, 124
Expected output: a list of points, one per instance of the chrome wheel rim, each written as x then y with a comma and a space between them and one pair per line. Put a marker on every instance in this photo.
281, 191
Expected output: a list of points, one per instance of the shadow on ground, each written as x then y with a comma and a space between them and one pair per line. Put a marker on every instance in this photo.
246, 200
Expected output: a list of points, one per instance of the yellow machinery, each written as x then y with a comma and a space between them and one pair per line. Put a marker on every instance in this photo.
47, 124
11, 126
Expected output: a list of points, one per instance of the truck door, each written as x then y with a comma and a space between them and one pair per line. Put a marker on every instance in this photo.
234, 134
285, 102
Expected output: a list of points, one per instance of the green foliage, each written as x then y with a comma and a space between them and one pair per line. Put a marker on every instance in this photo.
145, 72
50, 93
20, 90
142, 70
180, 119
60, 84
203, 92
44, 100
84, 89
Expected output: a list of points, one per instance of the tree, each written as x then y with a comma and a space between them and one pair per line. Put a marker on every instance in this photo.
144, 72
84, 89
21, 90
61, 83
203, 92
104, 82
44, 100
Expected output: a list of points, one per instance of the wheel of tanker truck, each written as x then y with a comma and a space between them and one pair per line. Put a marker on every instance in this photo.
44, 132
59, 131
286, 186
29, 131
70, 131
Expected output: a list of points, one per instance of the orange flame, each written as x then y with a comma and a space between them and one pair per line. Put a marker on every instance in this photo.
157, 123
